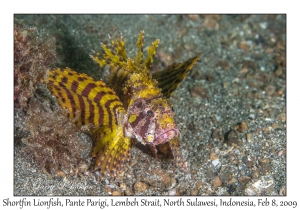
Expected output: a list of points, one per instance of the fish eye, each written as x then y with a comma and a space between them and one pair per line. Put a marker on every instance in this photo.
150, 113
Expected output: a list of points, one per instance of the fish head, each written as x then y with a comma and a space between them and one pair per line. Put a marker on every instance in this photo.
151, 121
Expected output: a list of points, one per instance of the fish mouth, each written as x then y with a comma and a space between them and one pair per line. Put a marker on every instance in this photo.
166, 136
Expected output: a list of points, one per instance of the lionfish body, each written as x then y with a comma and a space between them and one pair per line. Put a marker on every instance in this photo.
135, 106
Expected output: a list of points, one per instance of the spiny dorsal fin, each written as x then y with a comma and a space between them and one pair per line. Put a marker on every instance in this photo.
119, 59
140, 45
170, 78
115, 59
110, 58
151, 52
119, 45
123, 66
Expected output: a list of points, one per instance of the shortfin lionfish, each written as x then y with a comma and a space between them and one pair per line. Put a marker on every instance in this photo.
135, 105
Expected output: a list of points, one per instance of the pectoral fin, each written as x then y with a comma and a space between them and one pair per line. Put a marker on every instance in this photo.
111, 149
87, 101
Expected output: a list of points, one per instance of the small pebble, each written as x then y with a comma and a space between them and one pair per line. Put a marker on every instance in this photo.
275, 126
278, 72
255, 174
244, 179
280, 92
213, 156
83, 166
199, 184
282, 191
123, 186
267, 129
249, 137
262, 186
215, 133
217, 182
270, 90
210, 22
281, 153
224, 176
242, 126
129, 192
265, 166
216, 163
194, 192
232, 180
222, 64
252, 116
242, 166
263, 25
140, 187
243, 46
172, 192
108, 190
116, 193
232, 137
171, 184
193, 17
199, 92
219, 118
249, 164
60, 173
182, 33
282, 117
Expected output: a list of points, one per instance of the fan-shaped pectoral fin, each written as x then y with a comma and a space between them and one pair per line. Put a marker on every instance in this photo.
111, 150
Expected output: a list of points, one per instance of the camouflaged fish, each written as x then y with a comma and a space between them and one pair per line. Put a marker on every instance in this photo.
134, 106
